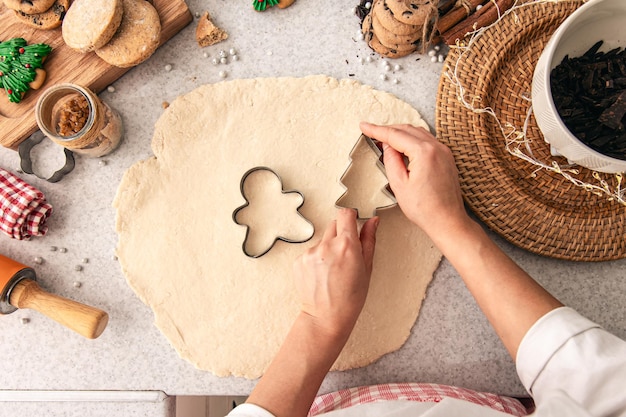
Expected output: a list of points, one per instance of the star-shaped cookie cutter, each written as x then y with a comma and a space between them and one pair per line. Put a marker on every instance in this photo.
379, 164
281, 238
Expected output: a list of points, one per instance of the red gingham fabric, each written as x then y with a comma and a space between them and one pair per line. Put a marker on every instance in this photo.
23, 208
412, 392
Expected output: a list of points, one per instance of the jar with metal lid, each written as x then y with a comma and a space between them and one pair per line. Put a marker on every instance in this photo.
75, 118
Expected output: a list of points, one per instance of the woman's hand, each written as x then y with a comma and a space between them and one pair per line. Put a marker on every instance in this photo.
333, 276
427, 188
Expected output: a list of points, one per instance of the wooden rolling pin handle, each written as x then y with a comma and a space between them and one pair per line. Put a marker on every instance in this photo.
83, 319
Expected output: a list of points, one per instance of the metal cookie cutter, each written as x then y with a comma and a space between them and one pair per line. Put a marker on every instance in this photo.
26, 163
385, 190
236, 212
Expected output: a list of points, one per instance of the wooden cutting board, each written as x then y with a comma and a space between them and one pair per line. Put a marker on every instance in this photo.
17, 120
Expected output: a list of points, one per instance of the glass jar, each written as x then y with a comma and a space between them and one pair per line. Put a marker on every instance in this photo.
75, 118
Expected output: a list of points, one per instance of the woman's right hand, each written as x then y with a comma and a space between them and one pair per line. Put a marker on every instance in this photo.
427, 188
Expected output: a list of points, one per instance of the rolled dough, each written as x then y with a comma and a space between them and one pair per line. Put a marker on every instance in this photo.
181, 252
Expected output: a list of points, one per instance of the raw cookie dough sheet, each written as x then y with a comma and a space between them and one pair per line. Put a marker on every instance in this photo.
181, 251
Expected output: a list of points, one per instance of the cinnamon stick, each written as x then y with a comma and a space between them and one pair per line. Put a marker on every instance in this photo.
457, 14
484, 17
445, 6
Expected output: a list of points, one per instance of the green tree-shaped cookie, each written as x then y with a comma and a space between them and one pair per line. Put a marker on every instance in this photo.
18, 62
260, 5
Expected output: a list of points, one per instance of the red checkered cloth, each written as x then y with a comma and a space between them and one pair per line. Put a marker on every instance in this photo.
412, 392
23, 208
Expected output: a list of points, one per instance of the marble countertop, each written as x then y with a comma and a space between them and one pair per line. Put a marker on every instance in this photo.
451, 342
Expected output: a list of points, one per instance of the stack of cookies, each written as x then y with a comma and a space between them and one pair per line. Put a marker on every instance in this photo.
396, 28
40, 14
122, 33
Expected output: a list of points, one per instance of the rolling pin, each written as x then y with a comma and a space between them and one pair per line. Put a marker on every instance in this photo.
19, 289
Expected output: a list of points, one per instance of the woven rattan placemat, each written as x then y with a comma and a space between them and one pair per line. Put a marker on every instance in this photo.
534, 209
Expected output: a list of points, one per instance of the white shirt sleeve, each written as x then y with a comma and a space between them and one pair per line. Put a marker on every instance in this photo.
565, 354
249, 410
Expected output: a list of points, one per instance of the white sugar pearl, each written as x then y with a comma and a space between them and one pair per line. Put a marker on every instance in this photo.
368, 59
85, 260
361, 60
77, 284
223, 61
38, 260
384, 63
432, 52
480, 6
360, 36
395, 81
440, 58
383, 77
215, 61
168, 67
206, 54
437, 48
235, 58
433, 59
232, 51
102, 163
197, 14
397, 67
111, 89
223, 74
63, 250
387, 68
368, 5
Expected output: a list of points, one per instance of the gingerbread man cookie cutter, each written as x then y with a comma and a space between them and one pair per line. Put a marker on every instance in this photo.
278, 237
362, 142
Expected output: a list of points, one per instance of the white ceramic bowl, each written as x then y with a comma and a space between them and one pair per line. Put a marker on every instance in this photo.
596, 20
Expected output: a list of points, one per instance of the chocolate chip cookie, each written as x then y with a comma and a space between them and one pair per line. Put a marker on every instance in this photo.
50, 19
412, 12
389, 22
29, 6
390, 39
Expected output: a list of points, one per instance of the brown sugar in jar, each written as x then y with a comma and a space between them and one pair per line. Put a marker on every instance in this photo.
75, 118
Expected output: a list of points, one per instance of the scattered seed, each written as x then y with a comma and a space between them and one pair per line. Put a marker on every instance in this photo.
53, 248
78, 268
77, 284
102, 163
25, 320
168, 67
63, 250
38, 260
85, 260
111, 89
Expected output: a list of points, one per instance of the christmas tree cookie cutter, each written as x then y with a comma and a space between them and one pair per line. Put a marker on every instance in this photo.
304, 236
365, 155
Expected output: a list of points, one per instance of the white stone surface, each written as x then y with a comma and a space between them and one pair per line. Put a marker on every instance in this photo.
451, 342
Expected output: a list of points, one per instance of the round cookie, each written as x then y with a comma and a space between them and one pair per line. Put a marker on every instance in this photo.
90, 24
411, 12
387, 20
29, 6
385, 51
392, 40
137, 37
50, 19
